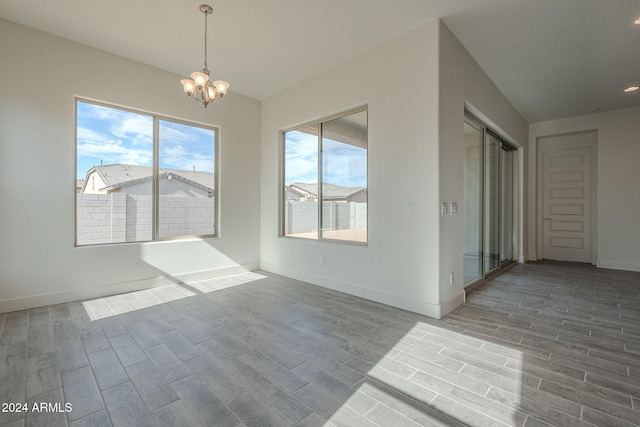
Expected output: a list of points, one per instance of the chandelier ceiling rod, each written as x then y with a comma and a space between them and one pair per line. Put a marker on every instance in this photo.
206, 9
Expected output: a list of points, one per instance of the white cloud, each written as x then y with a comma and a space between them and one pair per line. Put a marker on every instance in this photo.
301, 157
178, 157
136, 128
112, 151
183, 147
85, 134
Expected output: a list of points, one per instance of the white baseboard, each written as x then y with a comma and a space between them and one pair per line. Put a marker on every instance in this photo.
614, 265
33, 301
449, 305
420, 307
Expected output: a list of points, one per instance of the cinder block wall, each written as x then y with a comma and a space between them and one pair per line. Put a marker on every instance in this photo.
118, 217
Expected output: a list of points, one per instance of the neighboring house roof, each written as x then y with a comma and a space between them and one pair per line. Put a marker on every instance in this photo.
122, 175
329, 191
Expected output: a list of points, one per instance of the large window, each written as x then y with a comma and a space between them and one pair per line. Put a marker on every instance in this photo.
141, 177
325, 179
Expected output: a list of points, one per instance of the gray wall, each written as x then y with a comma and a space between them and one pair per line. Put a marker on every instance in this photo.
119, 217
302, 217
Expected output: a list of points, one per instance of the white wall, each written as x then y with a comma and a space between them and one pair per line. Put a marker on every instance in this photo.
618, 183
399, 266
462, 81
416, 87
39, 77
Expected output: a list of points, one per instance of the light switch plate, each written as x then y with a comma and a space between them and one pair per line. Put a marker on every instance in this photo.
454, 208
444, 208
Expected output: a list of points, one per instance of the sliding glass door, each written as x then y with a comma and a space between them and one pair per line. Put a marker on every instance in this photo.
492, 201
473, 172
488, 201
506, 212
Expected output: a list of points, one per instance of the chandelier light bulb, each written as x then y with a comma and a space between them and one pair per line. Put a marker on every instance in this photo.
188, 85
199, 78
221, 87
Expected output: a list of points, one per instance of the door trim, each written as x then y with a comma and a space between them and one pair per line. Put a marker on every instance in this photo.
594, 188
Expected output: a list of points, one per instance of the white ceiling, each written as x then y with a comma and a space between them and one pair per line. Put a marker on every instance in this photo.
551, 58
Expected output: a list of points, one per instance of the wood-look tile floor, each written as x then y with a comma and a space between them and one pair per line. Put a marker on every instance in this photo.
541, 344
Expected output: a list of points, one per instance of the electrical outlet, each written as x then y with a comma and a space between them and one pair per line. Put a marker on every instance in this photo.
136, 264
323, 262
451, 278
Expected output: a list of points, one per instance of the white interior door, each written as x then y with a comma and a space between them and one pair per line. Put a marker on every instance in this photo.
568, 196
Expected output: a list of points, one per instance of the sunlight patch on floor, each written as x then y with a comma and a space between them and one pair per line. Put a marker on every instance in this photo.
124, 303
131, 301
217, 283
433, 371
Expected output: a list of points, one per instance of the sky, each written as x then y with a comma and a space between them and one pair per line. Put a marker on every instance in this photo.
343, 164
116, 136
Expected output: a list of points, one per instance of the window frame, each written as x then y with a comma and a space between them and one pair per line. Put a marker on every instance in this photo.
155, 192
282, 170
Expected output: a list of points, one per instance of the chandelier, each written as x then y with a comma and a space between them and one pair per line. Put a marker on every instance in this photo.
199, 86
